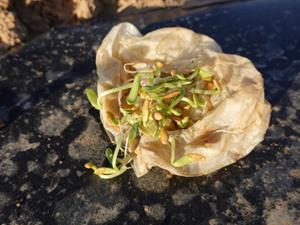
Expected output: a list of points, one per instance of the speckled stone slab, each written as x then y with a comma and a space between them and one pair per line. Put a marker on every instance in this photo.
52, 131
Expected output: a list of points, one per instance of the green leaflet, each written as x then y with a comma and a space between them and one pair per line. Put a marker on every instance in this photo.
183, 161
92, 97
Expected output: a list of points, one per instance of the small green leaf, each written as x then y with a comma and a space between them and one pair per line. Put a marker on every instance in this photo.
183, 161
92, 97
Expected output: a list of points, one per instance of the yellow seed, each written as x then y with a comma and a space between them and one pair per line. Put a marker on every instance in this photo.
209, 85
137, 151
159, 64
217, 84
187, 107
163, 136
196, 156
145, 111
88, 165
157, 116
171, 95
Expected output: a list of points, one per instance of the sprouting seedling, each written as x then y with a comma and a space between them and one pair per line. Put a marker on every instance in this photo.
119, 165
106, 172
95, 100
156, 103
131, 99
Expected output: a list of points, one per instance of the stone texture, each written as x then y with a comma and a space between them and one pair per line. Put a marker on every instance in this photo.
86, 146
155, 181
93, 209
12, 31
54, 124
10, 149
41, 15
156, 211
182, 197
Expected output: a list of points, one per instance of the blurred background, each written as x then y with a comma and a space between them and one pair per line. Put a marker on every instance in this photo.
21, 20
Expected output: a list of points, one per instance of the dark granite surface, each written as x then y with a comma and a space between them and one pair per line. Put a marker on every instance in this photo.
51, 131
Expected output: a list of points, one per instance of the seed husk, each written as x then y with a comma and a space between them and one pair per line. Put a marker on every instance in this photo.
209, 85
196, 156
157, 116
163, 136
171, 95
159, 64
